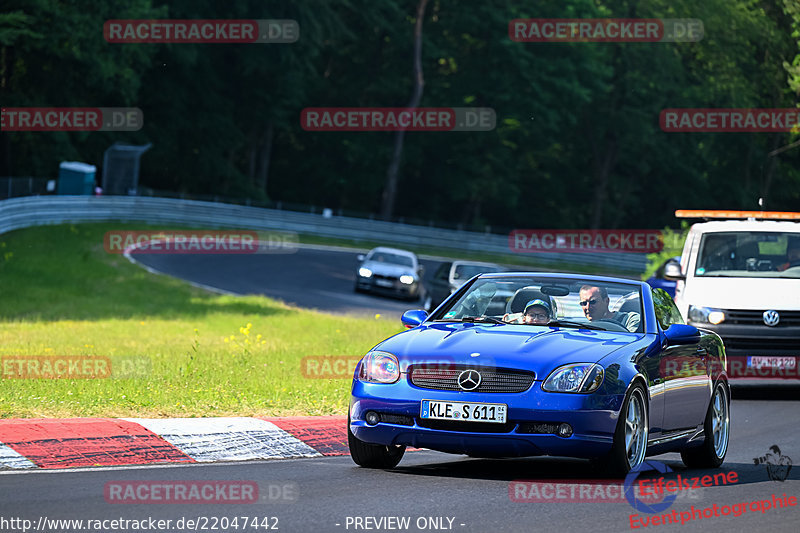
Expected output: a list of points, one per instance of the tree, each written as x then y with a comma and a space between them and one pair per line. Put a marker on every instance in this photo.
390, 189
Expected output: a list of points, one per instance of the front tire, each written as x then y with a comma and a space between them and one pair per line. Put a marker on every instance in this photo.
630, 438
716, 430
373, 455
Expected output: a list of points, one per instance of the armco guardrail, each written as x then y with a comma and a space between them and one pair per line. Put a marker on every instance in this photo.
29, 211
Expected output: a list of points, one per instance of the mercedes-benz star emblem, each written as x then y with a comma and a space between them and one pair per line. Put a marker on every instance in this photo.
771, 318
469, 379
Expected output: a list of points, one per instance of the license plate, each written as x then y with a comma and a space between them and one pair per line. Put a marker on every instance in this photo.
464, 411
384, 283
788, 363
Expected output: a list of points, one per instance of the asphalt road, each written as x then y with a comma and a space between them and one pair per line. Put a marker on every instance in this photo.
319, 278
429, 486
434, 491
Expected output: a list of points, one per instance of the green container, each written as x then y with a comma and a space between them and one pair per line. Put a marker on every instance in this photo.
76, 178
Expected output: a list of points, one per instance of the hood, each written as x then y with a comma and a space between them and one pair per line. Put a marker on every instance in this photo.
388, 269
757, 294
539, 349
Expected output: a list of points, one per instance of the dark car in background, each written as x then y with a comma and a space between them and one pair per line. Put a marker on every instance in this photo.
390, 271
450, 276
658, 279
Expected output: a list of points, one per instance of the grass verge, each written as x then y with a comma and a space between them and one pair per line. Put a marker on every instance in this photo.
208, 355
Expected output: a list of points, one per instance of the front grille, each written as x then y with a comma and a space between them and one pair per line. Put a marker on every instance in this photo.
468, 427
757, 345
494, 380
756, 318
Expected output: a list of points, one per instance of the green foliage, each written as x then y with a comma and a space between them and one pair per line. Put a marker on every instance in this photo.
673, 246
577, 142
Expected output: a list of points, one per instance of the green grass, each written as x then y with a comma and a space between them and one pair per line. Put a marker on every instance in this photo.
61, 294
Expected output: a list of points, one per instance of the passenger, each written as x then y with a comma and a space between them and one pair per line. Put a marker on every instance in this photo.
536, 312
594, 301
792, 255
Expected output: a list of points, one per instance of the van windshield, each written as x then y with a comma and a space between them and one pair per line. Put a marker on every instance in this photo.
749, 254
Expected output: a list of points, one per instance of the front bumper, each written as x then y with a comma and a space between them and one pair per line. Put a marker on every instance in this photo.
745, 341
387, 286
531, 416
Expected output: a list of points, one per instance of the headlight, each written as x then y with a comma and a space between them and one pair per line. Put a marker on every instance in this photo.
707, 315
379, 367
577, 377
406, 279
364, 272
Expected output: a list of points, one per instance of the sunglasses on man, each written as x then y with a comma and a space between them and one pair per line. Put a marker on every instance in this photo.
593, 301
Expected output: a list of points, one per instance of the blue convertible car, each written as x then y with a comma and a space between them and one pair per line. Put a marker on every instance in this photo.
525, 364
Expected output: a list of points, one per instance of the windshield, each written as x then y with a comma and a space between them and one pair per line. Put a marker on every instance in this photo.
567, 302
749, 254
464, 272
395, 259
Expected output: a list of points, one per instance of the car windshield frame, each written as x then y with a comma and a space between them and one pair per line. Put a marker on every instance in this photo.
459, 310
391, 258
473, 270
716, 250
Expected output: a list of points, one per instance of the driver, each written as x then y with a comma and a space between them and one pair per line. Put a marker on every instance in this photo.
792, 255
594, 302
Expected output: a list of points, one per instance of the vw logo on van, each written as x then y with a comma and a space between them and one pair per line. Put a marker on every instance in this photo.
771, 318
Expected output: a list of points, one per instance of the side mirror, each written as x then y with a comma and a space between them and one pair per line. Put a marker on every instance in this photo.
413, 318
679, 334
421, 270
360, 257
672, 272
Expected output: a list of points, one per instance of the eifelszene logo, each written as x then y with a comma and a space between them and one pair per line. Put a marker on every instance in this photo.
636, 502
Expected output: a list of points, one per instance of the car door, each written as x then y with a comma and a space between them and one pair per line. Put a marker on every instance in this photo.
684, 368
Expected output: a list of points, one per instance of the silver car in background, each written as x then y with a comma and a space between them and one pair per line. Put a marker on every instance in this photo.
390, 271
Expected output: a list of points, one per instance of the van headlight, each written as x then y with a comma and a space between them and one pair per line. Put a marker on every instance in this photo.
706, 315
405, 279
379, 367
577, 377
365, 272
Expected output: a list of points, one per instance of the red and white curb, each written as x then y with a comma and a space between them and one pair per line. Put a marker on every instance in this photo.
87, 442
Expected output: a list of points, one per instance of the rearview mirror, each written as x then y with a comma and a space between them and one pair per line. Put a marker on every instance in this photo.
413, 318
678, 334
672, 272
554, 290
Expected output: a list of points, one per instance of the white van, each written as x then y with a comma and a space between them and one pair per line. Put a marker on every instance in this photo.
741, 279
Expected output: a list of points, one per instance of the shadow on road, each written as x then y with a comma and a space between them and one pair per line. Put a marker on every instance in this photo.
564, 470
772, 392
